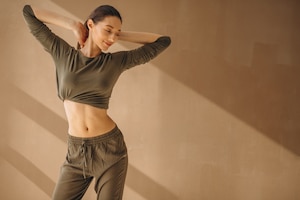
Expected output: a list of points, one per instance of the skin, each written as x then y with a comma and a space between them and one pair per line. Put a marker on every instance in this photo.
85, 120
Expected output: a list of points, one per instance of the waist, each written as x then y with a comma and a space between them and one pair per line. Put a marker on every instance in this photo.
86, 131
87, 121
96, 139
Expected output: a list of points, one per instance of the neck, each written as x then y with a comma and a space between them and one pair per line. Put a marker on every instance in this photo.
90, 49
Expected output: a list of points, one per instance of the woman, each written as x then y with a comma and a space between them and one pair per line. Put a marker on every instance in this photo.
85, 79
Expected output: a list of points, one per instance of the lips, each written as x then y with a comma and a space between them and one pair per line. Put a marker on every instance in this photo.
108, 44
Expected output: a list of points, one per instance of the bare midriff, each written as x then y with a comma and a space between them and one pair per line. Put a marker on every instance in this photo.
87, 121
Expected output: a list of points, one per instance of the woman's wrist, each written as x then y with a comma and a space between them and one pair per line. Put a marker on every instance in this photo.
138, 37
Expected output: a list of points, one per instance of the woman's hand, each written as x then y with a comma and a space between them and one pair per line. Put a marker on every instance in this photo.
81, 33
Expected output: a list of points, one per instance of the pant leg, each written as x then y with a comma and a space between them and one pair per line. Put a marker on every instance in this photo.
110, 185
74, 179
71, 184
111, 157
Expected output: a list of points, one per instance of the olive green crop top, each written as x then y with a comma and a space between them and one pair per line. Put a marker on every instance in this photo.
88, 80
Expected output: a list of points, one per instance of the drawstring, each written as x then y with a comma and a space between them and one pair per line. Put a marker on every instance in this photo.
84, 152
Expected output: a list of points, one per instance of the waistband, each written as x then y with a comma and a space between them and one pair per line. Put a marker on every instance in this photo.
97, 139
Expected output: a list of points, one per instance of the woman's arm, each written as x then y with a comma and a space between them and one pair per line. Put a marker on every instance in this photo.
50, 17
139, 37
144, 53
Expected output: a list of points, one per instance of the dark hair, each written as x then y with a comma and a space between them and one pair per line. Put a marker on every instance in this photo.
100, 13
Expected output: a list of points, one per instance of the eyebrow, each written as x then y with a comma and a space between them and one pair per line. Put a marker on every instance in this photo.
112, 27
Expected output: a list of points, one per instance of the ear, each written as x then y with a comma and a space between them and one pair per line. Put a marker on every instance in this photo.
90, 24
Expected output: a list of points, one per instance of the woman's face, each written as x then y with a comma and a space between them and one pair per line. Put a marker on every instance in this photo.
106, 32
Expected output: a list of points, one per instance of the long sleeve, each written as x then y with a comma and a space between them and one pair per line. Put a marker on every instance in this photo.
142, 54
51, 42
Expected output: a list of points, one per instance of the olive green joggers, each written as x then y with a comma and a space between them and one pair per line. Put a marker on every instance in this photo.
103, 158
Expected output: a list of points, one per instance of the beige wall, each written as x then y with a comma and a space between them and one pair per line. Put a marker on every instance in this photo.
216, 116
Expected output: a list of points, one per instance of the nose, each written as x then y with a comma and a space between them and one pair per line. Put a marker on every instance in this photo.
113, 38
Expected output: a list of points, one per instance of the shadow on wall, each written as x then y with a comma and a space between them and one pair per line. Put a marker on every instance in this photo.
243, 56
28, 169
136, 180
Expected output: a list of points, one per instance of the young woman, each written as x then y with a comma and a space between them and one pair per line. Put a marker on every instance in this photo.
85, 80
